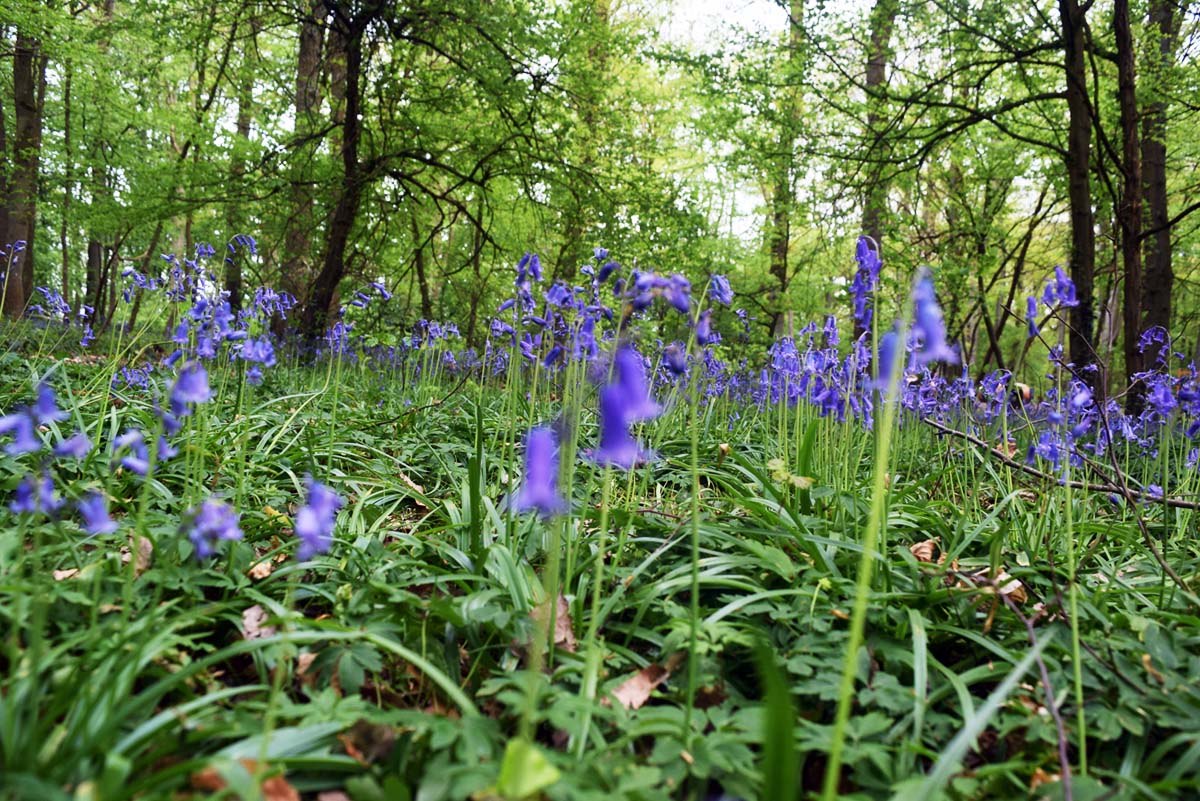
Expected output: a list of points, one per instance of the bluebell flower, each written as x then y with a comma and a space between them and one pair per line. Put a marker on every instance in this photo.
928, 325
191, 386
719, 290
25, 498
539, 486
77, 446
315, 520
20, 426
45, 409
130, 451
630, 375
94, 511
207, 525
704, 332
887, 360
617, 447
679, 293
1031, 310
600, 254
675, 359
606, 271
866, 277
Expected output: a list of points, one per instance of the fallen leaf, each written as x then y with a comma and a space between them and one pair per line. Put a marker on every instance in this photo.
145, 554
70, 572
635, 690
260, 570
332, 795
274, 788
924, 550
564, 631
1148, 664
368, 742
722, 452
254, 626
1041, 777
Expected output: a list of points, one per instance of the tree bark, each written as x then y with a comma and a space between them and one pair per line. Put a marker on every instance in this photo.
29, 76
337, 235
1129, 209
1079, 143
1159, 276
297, 248
68, 187
237, 167
783, 196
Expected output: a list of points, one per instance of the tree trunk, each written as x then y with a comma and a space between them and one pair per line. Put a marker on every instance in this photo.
1159, 277
783, 196
1129, 209
883, 20
297, 248
419, 267
1079, 143
68, 187
29, 76
237, 168
337, 235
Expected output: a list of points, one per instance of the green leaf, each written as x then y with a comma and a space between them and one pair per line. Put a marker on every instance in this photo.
524, 771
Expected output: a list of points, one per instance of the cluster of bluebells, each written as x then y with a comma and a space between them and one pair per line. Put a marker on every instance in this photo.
315, 520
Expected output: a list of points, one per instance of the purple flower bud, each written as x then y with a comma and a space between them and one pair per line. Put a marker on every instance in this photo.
1031, 316
928, 325
190, 387
45, 410
76, 446
719, 290
617, 448
539, 487
631, 383
207, 525
315, 520
94, 511
20, 426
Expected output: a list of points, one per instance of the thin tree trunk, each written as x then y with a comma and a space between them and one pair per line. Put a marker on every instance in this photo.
29, 70
324, 287
783, 197
68, 187
237, 168
297, 249
419, 267
1159, 275
1129, 210
1079, 143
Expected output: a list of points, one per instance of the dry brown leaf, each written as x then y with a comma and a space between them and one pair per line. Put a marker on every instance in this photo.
839, 614
70, 572
635, 690
1148, 664
145, 554
260, 570
722, 452
368, 742
275, 788
924, 550
332, 795
564, 631
254, 624
1041, 777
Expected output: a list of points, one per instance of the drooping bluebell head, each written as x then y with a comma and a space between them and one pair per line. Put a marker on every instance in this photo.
94, 510
315, 520
719, 290
20, 426
207, 525
45, 410
618, 448
630, 374
539, 486
928, 325
1031, 310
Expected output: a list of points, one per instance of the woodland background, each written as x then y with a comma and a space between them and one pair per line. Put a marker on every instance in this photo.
430, 144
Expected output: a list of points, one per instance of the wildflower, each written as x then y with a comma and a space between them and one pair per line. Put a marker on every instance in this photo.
315, 520
631, 383
600, 254
34, 495
1060, 290
719, 290
94, 511
207, 525
1031, 316
929, 325
20, 426
704, 333
866, 278
606, 271
45, 410
25, 500
539, 490
136, 458
675, 359
617, 448
76, 446
191, 386
679, 293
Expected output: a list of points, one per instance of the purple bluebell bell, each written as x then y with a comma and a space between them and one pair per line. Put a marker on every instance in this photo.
630, 375
1060, 290
93, 508
207, 525
1031, 310
675, 359
315, 520
617, 446
605, 271
704, 330
45, 409
191, 386
539, 486
20, 425
719, 290
679, 293
131, 452
866, 278
600, 254
77, 446
928, 325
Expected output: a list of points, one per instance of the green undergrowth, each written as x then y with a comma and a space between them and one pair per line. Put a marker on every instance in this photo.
397, 665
